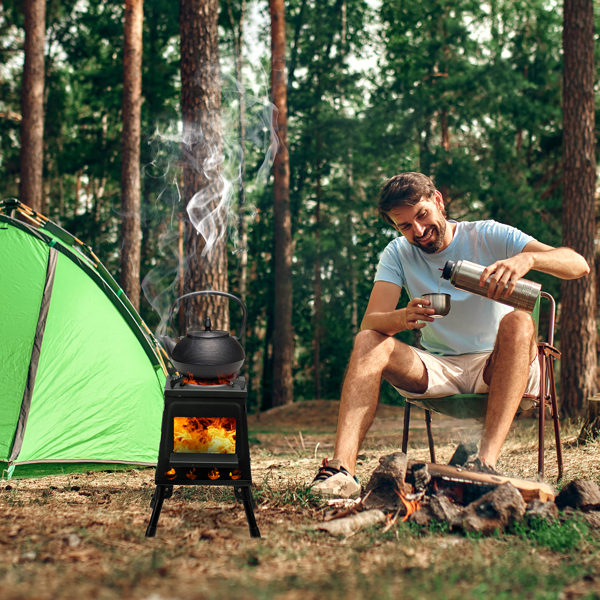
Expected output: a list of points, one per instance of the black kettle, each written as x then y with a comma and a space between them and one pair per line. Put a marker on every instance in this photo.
206, 354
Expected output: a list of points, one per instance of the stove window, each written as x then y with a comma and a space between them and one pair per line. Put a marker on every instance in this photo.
204, 435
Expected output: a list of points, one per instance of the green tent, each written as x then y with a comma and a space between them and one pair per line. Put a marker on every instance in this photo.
81, 376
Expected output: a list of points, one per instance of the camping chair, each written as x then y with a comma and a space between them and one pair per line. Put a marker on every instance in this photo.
474, 406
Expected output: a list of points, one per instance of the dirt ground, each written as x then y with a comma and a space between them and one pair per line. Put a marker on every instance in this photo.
82, 536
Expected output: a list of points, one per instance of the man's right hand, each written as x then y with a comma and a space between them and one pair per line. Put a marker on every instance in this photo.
416, 310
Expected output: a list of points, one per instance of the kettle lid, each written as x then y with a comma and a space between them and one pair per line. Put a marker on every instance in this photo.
206, 333
202, 334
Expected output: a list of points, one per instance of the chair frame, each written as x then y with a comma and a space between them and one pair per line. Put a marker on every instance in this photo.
546, 397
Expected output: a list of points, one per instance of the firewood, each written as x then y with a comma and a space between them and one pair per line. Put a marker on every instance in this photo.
580, 494
446, 511
530, 490
422, 517
495, 510
385, 480
353, 524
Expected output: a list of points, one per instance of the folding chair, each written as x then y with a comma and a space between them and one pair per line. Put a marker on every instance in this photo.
474, 406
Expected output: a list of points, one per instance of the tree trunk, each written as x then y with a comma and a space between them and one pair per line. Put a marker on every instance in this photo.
130, 152
283, 340
238, 40
591, 426
578, 312
206, 227
318, 304
32, 106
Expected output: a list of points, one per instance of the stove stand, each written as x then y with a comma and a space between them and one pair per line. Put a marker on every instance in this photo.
204, 441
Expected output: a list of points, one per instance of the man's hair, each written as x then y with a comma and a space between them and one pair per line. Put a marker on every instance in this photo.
405, 189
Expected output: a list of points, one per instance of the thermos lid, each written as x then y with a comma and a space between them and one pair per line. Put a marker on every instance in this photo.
447, 270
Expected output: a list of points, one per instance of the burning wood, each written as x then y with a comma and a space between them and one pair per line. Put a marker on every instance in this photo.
204, 435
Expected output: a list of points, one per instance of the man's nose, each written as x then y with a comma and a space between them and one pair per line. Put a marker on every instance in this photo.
418, 229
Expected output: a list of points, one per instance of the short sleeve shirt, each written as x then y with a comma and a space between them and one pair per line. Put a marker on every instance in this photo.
473, 321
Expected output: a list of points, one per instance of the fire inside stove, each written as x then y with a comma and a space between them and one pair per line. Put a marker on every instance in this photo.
204, 435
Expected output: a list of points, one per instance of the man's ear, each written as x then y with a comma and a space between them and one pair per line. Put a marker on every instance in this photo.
439, 199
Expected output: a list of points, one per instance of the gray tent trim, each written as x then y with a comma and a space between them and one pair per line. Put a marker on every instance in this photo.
35, 356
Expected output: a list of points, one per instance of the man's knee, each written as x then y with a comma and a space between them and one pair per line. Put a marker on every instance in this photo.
368, 340
516, 326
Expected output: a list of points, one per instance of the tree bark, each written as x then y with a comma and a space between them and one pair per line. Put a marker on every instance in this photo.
32, 106
206, 226
130, 152
283, 340
238, 40
318, 301
578, 312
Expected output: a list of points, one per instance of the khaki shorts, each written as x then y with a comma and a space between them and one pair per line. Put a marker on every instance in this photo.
463, 374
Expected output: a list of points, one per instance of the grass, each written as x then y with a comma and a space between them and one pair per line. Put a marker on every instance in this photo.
79, 536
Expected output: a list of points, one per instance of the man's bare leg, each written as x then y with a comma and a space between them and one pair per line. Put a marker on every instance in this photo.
506, 374
374, 355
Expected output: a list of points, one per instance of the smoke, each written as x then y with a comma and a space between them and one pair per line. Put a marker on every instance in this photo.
213, 209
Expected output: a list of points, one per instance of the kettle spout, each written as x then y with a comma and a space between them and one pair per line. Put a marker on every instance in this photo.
168, 343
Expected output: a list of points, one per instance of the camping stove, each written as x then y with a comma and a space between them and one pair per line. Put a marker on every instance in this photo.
204, 441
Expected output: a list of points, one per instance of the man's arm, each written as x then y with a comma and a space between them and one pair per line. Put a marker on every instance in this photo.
563, 263
383, 316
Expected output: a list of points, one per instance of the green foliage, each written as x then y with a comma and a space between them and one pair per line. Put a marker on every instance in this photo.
465, 92
558, 536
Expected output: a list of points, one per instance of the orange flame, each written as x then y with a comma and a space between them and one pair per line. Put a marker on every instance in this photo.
214, 474
191, 474
171, 474
212, 435
220, 380
236, 474
410, 505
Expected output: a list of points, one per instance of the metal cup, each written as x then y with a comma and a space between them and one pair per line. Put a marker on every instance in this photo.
440, 303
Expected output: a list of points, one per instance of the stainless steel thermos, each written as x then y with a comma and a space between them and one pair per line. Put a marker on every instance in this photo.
465, 275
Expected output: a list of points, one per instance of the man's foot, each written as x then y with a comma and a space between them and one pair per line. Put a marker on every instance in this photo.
333, 480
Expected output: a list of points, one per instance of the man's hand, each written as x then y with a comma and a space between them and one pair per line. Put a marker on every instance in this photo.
505, 274
416, 310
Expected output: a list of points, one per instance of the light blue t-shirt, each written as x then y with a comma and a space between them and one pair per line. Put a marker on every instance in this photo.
473, 321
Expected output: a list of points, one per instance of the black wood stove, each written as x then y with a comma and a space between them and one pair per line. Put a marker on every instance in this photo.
204, 441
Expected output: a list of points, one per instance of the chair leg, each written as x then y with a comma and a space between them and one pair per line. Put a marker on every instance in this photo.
406, 425
542, 407
429, 435
552, 390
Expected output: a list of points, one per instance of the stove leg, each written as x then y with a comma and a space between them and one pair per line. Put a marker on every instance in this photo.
246, 496
160, 494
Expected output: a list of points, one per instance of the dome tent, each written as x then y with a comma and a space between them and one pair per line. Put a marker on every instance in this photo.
81, 375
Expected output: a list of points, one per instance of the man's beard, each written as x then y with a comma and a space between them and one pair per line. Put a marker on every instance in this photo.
435, 244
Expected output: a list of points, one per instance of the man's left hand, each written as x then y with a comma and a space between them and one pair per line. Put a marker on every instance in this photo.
504, 274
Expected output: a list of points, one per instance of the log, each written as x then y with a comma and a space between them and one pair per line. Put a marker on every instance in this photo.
385, 480
530, 490
353, 524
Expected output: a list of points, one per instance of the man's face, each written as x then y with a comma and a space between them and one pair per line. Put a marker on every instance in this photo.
423, 224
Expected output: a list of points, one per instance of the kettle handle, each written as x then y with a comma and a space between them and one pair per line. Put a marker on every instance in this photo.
214, 293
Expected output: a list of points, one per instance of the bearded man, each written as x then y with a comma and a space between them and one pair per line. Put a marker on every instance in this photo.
481, 346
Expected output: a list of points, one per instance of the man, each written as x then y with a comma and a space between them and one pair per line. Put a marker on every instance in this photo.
479, 347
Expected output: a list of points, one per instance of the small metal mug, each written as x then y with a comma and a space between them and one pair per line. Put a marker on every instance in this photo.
439, 302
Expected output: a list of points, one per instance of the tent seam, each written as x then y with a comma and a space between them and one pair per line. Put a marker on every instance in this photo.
35, 356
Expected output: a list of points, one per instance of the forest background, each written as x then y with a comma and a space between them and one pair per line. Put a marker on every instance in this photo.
467, 92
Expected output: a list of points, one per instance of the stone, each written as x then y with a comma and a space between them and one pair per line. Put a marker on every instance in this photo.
443, 509
581, 494
386, 480
463, 454
495, 510
543, 510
